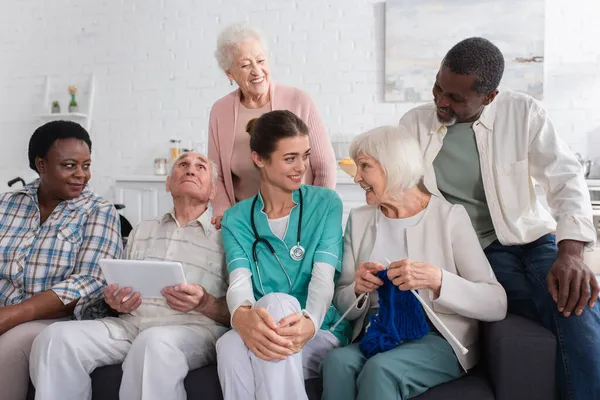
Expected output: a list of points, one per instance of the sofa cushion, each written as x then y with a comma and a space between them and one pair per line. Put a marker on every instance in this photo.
203, 384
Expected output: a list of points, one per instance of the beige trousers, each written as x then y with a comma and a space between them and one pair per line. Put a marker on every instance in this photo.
15, 346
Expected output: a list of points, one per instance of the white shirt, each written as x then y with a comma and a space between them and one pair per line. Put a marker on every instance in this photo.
279, 226
517, 143
198, 247
390, 242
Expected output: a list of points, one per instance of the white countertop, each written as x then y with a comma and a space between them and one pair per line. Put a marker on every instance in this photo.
593, 183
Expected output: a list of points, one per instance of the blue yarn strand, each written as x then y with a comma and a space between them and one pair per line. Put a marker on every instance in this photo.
400, 318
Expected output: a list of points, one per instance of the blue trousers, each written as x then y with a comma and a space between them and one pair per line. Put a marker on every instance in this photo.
522, 270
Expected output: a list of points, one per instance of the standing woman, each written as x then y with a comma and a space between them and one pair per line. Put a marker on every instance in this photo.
241, 54
283, 248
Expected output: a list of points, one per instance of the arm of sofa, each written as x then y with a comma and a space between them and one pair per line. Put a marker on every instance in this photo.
520, 357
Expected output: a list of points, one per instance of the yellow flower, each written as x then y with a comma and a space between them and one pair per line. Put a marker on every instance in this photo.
72, 90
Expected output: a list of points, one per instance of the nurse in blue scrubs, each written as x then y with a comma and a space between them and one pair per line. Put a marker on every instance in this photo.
283, 250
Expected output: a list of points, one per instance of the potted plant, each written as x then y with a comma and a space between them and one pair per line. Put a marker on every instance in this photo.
55, 107
73, 107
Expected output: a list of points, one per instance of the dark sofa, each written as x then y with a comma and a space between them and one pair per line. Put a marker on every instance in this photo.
517, 363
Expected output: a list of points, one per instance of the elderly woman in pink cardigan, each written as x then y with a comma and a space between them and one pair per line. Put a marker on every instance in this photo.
242, 56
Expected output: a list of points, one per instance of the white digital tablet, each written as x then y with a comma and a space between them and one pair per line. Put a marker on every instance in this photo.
146, 277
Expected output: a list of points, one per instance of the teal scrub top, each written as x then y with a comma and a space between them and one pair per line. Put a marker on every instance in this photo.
321, 238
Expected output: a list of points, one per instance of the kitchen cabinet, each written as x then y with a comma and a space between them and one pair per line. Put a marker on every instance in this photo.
144, 197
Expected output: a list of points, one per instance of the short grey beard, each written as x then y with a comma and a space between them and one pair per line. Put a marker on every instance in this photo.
447, 123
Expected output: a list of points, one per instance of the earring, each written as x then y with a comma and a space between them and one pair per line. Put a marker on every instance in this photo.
231, 82
423, 202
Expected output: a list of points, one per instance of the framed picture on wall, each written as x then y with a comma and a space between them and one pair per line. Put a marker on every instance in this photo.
419, 33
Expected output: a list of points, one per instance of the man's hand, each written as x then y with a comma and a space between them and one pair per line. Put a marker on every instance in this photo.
258, 331
415, 275
296, 328
184, 297
570, 282
122, 300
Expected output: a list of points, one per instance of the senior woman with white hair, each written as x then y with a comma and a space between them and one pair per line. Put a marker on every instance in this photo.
241, 54
434, 250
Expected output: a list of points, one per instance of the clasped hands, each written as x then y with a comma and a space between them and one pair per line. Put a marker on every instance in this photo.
269, 340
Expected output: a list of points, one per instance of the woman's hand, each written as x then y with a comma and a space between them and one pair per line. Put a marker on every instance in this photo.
298, 329
122, 300
414, 275
184, 297
365, 278
258, 331
216, 221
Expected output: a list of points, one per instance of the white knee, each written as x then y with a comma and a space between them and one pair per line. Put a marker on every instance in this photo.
52, 345
54, 339
155, 341
279, 305
230, 347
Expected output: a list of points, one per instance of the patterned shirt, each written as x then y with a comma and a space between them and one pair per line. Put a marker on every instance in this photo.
62, 253
198, 247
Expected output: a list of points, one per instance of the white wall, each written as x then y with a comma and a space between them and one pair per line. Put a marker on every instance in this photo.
156, 76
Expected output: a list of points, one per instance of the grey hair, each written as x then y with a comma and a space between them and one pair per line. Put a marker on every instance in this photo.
231, 37
398, 153
213, 168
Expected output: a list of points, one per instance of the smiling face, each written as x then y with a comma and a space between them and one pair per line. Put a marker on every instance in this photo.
65, 169
455, 99
371, 177
191, 176
286, 166
250, 68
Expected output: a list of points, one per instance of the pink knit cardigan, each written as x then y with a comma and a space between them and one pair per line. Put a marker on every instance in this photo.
221, 132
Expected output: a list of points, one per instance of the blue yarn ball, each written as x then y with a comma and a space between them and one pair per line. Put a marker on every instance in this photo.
400, 318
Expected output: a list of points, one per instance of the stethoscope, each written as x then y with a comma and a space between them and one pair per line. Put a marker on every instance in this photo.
296, 252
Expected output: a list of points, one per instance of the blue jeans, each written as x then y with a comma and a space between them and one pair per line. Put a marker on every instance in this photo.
522, 270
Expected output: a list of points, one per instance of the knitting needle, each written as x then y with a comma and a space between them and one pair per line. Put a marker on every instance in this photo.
350, 309
433, 315
358, 299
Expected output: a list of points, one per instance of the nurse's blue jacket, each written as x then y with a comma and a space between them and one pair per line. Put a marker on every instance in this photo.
321, 237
